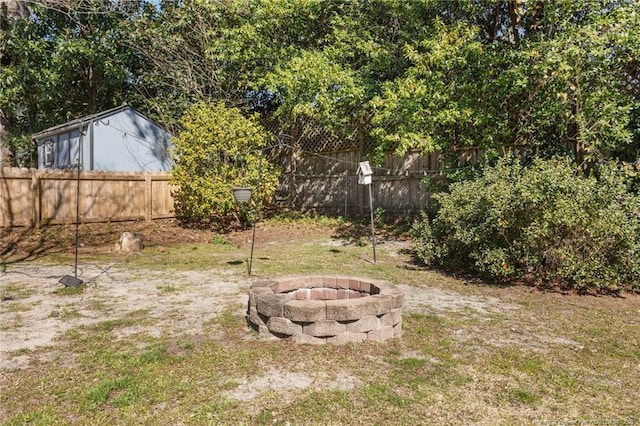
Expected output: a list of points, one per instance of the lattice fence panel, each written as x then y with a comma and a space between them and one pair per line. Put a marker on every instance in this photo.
313, 137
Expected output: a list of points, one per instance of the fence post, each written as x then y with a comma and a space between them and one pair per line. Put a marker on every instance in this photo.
6, 218
36, 190
148, 197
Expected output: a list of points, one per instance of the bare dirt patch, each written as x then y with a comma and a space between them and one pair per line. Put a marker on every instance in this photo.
17, 244
289, 382
172, 304
34, 312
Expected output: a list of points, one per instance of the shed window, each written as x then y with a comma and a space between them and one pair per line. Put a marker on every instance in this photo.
48, 153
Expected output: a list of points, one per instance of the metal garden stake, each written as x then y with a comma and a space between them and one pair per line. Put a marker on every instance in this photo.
365, 177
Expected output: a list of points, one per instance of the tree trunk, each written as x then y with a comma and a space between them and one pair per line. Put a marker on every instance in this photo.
13, 9
514, 15
494, 23
92, 90
5, 152
9, 9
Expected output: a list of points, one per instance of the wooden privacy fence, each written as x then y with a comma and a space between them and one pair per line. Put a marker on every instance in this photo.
328, 182
31, 197
324, 182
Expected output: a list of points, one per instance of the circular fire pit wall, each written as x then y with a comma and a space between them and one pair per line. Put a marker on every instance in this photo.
326, 309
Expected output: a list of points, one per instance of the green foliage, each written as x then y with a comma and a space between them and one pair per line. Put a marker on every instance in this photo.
313, 85
218, 149
205, 51
121, 392
568, 75
21, 148
437, 76
63, 61
219, 239
547, 220
428, 107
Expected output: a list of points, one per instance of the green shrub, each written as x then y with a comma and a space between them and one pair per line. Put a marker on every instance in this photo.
547, 220
217, 149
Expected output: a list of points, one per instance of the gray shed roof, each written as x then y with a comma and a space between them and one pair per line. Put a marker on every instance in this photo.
75, 124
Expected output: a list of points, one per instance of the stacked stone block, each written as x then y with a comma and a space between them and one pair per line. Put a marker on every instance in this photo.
326, 309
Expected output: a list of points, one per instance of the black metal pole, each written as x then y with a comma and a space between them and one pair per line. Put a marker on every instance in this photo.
68, 280
253, 237
75, 264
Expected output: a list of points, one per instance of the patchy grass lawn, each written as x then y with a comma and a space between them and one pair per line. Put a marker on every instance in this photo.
160, 338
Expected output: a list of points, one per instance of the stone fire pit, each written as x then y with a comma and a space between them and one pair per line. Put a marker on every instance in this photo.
326, 309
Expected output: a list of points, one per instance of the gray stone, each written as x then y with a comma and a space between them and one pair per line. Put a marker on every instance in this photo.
283, 326
396, 295
271, 305
262, 284
324, 328
353, 309
255, 317
255, 292
348, 309
363, 325
382, 304
392, 318
397, 330
265, 333
305, 310
381, 334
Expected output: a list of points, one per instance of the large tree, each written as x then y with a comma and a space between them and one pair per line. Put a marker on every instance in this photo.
569, 77
65, 60
9, 10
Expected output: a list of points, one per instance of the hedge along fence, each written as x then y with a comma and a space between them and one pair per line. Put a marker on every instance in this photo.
32, 197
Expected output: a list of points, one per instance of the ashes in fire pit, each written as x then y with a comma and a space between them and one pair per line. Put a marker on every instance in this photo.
326, 309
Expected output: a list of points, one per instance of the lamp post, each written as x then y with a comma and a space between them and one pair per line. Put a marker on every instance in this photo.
243, 195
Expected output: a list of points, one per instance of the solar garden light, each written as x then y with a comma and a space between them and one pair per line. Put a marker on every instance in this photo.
243, 195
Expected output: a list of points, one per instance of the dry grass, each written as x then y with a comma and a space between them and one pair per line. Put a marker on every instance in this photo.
470, 354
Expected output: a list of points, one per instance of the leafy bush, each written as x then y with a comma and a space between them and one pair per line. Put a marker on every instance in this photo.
217, 149
547, 220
